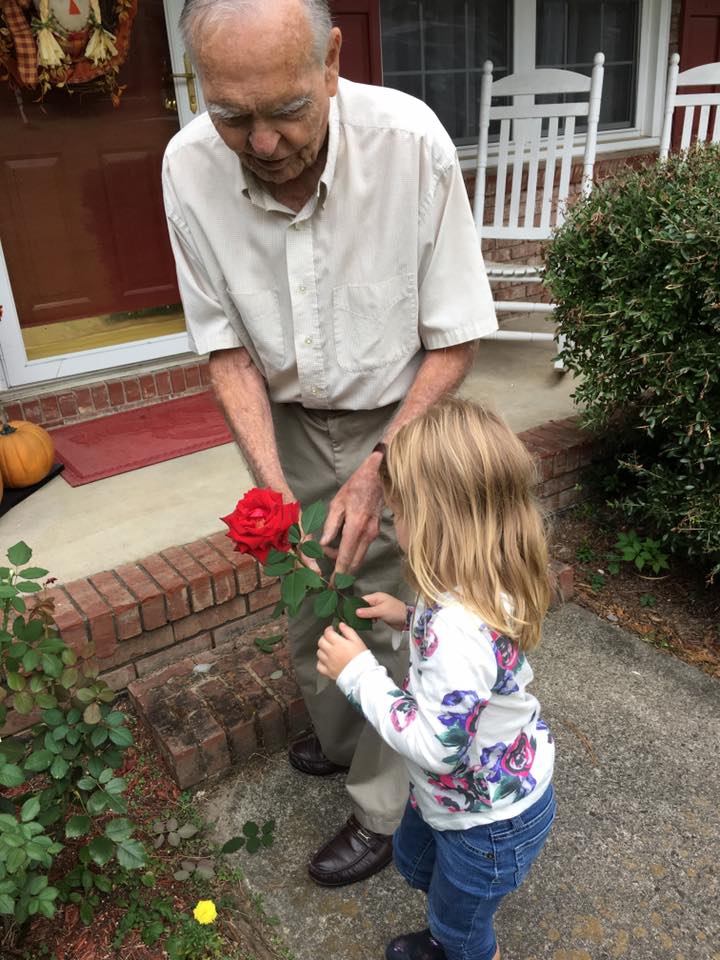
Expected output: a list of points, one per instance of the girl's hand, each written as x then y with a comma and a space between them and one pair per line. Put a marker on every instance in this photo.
336, 650
381, 606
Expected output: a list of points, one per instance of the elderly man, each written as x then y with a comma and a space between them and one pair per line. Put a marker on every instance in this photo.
328, 263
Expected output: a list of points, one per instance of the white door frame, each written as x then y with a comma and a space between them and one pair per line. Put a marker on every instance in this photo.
15, 368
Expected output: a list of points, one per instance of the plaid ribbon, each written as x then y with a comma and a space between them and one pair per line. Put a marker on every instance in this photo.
25, 47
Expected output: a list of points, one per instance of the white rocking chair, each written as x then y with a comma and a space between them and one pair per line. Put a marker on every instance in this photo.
532, 158
707, 75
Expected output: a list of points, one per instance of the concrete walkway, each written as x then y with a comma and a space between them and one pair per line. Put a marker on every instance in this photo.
75, 532
631, 868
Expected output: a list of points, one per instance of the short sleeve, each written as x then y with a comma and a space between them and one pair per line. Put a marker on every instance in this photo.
208, 325
455, 300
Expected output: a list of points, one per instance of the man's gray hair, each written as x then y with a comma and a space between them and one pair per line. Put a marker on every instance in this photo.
202, 12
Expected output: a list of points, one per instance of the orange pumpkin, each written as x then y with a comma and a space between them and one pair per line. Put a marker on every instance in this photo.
26, 453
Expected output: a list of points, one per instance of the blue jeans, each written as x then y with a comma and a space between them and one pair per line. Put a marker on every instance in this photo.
466, 873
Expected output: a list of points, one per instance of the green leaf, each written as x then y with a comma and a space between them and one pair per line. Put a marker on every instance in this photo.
31, 660
7, 904
30, 809
294, 535
349, 606
101, 850
116, 786
86, 913
345, 580
311, 579
92, 714
19, 554
266, 643
28, 586
131, 855
115, 718
85, 695
232, 845
268, 826
18, 604
121, 737
39, 760
7, 592
97, 802
98, 736
277, 556
267, 839
15, 681
11, 775
45, 700
278, 569
69, 677
251, 829
253, 844
312, 549
59, 768
119, 829
33, 573
313, 517
104, 884
86, 783
325, 604
23, 703
52, 716
77, 826
294, 589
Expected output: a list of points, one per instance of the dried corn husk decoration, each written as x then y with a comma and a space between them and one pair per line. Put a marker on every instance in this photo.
101, 45
49, 51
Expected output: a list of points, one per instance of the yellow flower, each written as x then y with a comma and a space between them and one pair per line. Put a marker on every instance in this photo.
205, 911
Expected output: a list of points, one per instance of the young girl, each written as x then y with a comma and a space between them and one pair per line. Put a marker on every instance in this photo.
480, 758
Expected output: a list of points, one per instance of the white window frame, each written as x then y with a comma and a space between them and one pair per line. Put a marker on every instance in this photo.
651, 77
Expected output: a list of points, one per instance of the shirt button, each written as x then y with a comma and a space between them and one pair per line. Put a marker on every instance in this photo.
308, 341
299, 225
315, 391
302, 289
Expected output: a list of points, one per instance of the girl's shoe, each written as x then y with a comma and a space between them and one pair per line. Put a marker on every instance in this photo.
415, 946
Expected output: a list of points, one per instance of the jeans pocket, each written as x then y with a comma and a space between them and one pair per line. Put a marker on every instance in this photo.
528, 850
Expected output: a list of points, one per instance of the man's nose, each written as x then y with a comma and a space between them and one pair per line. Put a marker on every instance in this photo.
264, 141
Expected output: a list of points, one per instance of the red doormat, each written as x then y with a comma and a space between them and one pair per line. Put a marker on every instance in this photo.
96, 449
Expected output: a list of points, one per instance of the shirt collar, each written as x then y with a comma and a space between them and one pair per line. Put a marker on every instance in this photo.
252, 188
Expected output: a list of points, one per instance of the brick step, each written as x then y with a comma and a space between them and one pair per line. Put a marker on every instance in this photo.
216, 709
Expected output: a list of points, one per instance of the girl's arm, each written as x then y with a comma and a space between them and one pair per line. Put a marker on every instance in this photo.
434, 724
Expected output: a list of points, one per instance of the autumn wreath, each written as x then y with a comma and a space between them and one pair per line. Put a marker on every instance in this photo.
65, 43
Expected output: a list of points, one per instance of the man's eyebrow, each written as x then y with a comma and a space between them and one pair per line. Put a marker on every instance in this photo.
225, 112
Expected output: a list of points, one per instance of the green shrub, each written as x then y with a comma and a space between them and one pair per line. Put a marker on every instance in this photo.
63, 776
635, 272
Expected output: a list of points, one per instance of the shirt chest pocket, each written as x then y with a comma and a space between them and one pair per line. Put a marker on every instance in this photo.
375, 324
260, 314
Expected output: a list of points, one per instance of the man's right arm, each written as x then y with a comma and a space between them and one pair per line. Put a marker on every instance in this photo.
241, 390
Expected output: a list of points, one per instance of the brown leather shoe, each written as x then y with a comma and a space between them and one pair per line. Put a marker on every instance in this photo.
353, 854
307, 757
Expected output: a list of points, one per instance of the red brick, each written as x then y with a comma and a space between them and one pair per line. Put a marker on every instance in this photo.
265, 597
205, 374
163, 384
207, 732
137, 647
177, 379
140, 690
219, 568
116, 393
563, 482
210, 617
70, 622
13, 411
147, 386
84, 401
196, 576
68, 405
178, 651
237, 717
50, 409
541, 442
272, 726
148, 593
132, 390
120, 678
175, 742
246, 569
101, 400
192, 377
544, 462
173, 585
98, 614
238, 631
17, 722
124, 606
562, 581
32, 411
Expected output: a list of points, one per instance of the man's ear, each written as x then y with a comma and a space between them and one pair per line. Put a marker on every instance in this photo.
332, 61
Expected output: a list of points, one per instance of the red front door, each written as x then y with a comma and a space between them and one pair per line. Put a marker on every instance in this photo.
81, 215
359, 20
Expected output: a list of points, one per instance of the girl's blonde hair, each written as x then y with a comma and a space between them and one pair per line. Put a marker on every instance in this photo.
463, 484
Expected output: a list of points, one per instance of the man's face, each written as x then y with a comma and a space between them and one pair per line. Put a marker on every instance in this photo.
267, 94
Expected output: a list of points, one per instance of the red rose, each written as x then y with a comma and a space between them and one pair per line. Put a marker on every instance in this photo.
260, 522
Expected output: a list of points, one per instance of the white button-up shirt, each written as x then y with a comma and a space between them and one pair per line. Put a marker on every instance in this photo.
338, 303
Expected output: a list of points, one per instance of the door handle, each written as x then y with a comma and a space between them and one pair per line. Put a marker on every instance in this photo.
189, 76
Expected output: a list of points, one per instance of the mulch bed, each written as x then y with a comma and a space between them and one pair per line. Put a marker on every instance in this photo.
151, 795
678, 612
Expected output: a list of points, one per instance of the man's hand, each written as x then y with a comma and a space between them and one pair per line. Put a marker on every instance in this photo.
336, 650
381, 606
356, 510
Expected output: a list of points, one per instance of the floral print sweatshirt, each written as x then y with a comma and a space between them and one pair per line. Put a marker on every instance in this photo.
471, 734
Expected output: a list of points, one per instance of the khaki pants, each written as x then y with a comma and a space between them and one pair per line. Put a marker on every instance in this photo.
319, 450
